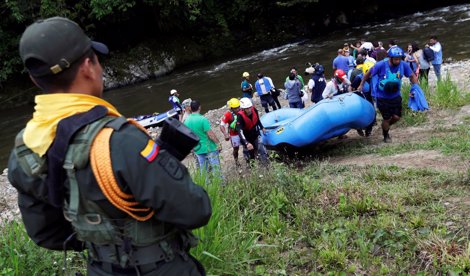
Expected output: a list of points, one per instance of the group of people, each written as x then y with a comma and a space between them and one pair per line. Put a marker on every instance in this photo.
419, 59
269, 94
376, 73
240, 125
373, 71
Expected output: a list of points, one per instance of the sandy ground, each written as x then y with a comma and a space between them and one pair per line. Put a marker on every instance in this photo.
459, 71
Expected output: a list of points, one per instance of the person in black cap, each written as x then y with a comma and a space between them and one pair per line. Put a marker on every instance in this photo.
87, 178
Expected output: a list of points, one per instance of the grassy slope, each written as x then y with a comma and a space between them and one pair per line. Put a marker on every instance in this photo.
304, 218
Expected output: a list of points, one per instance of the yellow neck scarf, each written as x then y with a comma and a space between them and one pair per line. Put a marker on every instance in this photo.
50, 109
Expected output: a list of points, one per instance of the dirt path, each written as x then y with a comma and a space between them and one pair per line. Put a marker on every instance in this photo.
430, 159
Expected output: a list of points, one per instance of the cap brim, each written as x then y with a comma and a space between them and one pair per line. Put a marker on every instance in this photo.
100, 47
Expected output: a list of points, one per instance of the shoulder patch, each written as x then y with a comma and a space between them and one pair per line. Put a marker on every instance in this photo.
150, 151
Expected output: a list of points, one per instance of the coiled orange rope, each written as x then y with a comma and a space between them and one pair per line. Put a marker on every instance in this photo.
100, 158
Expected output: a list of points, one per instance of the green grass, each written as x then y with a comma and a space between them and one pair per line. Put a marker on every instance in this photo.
445, 94
350, 219
19, 255
321, 218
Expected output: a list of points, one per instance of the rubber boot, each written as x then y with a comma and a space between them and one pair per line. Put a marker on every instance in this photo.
387, 138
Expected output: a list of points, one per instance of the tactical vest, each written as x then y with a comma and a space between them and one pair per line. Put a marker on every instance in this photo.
108, 239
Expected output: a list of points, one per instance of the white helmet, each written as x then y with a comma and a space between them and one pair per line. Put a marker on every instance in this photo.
245, 74
173, 92
310, 70
245, 103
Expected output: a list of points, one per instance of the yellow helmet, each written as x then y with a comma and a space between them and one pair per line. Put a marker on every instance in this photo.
367, 66
233, 103
245, 74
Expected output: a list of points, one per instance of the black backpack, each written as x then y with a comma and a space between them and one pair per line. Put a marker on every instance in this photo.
428, 54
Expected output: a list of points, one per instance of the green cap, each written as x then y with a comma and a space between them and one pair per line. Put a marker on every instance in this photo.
56, 43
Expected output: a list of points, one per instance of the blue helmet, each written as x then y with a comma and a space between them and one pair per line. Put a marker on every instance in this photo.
395, 52
319, 70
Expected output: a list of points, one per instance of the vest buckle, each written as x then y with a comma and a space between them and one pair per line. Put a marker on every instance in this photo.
167, 250
93, 219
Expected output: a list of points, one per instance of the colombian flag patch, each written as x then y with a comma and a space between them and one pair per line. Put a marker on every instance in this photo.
150, 151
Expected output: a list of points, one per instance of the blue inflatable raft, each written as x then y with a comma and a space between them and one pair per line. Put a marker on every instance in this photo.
298, 128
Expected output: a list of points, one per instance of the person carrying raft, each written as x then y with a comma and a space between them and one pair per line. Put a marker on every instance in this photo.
389, 72
339, 84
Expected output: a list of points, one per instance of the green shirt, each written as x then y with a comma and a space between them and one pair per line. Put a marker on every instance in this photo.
200, 125
299, 77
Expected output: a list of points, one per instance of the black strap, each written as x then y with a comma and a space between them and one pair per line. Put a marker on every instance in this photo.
66, 129
164, 250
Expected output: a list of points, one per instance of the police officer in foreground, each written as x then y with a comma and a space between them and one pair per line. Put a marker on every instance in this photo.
88, 179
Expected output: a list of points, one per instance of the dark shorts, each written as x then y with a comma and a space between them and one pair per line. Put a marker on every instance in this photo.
389, 107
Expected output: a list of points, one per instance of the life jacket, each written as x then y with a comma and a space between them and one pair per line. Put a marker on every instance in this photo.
391, 83
106, 237
320, 85
249, 123
175, 103
263, 83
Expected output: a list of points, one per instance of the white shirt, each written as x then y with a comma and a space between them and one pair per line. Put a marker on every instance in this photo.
367, 45
311, 85
331, 90
436, 47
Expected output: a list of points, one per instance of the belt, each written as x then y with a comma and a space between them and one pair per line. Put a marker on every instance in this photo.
135, 255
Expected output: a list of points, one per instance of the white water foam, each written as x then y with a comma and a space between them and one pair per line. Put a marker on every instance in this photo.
261, 55
462, 20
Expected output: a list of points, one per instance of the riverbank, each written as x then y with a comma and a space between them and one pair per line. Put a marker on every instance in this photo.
459, 72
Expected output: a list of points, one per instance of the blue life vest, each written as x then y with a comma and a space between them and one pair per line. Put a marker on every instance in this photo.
266, 84
320, 85
176, 104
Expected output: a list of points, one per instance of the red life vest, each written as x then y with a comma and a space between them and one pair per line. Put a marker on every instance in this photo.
249, 123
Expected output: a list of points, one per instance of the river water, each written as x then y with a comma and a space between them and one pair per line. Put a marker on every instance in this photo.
213, 84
